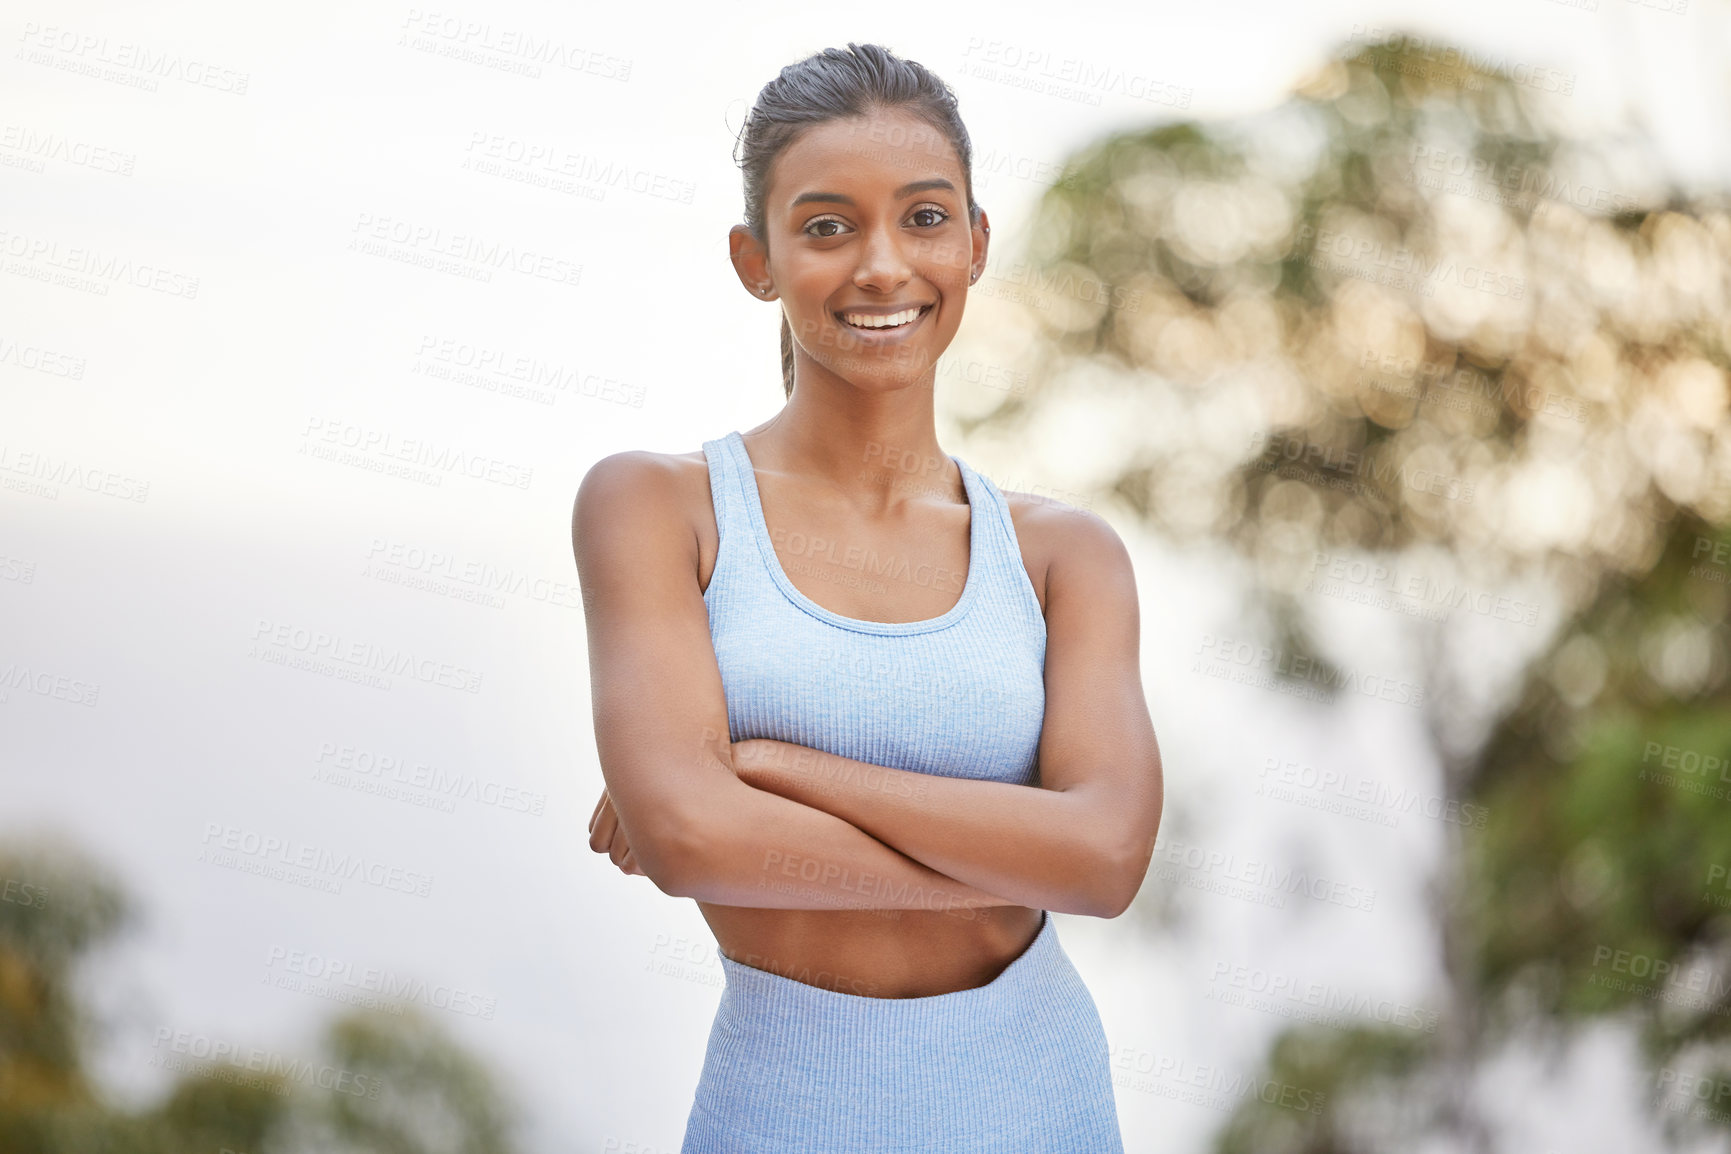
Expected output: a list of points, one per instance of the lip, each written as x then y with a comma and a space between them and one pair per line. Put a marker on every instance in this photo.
874, 337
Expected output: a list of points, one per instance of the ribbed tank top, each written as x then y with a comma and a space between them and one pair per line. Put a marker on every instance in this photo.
959, 695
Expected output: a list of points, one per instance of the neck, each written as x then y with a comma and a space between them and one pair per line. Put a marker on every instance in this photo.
879, 448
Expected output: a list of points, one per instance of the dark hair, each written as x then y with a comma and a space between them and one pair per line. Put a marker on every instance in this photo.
838, 84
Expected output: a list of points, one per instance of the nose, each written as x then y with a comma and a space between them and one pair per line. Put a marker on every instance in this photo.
884, 264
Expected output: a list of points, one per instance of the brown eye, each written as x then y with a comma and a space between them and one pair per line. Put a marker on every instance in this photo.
939, 213
820, 223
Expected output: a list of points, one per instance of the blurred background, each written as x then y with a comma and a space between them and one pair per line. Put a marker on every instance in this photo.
1392, 340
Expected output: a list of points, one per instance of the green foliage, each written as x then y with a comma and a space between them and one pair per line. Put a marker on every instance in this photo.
432, 1097
1327, 1063
1407, 317
1609, 790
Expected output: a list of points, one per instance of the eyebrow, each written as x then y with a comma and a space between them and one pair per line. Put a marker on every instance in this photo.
904, 190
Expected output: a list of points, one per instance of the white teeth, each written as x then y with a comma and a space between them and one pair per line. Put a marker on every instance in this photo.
864, 322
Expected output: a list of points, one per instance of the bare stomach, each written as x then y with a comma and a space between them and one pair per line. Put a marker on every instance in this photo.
876, 953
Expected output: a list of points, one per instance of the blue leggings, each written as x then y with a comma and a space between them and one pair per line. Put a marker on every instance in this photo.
1012, 1067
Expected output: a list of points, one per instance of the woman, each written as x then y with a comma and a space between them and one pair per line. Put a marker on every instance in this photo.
876, 729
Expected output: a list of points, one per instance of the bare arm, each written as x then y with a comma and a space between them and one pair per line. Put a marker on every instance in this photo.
1079, 843
661, 732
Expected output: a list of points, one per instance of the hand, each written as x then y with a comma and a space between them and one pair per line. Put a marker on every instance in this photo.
607, 836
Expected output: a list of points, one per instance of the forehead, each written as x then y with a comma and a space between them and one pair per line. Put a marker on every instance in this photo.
877, 152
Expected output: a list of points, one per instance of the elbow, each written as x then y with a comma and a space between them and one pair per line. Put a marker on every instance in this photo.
1120, 879
1112, 899
672, 856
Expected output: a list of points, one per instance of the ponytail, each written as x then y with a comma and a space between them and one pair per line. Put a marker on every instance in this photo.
786, 356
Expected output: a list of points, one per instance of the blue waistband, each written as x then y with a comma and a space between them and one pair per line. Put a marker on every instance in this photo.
1017, 1064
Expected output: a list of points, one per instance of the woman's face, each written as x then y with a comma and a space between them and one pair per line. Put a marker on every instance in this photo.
867, 222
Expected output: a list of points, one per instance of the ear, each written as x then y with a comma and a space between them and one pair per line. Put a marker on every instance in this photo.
982, 237
750, 262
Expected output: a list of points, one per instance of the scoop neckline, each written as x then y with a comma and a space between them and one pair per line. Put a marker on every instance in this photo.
970, 587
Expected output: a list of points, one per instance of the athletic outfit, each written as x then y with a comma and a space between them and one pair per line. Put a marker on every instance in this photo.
1017, 1066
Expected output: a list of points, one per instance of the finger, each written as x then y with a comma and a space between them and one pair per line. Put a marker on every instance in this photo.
629, 864
599, 802
606, 824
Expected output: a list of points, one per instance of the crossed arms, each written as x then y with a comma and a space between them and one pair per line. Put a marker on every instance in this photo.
705, 818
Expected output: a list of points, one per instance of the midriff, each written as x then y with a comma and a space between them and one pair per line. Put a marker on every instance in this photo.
876, 953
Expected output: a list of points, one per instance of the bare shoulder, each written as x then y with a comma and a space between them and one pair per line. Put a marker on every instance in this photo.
633, 476
1076, 548
639, 492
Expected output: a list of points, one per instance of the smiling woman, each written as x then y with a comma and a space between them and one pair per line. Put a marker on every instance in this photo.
875, 785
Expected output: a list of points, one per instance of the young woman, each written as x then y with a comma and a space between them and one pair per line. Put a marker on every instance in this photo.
875, 715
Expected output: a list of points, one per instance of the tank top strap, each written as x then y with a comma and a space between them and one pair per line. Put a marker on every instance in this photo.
1007, 572
727, 495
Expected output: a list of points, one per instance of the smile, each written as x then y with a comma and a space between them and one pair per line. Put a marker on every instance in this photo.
870, 323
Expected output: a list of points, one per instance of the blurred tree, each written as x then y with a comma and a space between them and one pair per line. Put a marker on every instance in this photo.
1410, 318
56, 907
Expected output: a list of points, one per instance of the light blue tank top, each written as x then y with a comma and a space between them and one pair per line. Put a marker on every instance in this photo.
960, 695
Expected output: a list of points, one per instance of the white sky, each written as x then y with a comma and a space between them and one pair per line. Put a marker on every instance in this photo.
344, 125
